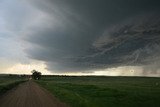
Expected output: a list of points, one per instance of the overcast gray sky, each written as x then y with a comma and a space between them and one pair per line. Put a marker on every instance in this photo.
101, 37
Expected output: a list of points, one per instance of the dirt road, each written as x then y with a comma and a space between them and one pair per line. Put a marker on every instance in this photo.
29, 94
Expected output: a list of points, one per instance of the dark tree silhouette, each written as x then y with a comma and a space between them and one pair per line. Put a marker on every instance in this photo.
36, 75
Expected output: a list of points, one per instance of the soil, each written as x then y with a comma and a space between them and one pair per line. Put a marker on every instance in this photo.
29, 94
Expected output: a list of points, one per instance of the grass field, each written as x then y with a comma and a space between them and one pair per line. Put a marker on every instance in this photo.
105, 91
8, 82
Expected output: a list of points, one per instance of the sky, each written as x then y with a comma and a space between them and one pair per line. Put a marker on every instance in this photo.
80, 37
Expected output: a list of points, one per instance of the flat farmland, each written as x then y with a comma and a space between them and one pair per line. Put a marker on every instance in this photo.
99, 91
7, 82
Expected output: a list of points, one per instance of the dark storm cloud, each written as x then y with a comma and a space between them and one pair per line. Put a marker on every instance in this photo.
135, 42
84, 35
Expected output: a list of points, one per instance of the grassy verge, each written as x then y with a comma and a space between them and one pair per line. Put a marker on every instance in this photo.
105, 91
6, 83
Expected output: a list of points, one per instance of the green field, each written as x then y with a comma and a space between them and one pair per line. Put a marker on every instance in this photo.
7, 82
104, 91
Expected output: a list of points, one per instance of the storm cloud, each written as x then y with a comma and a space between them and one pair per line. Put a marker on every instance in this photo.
87, 35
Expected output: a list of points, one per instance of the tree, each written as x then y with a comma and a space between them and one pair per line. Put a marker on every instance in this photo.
36, 75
